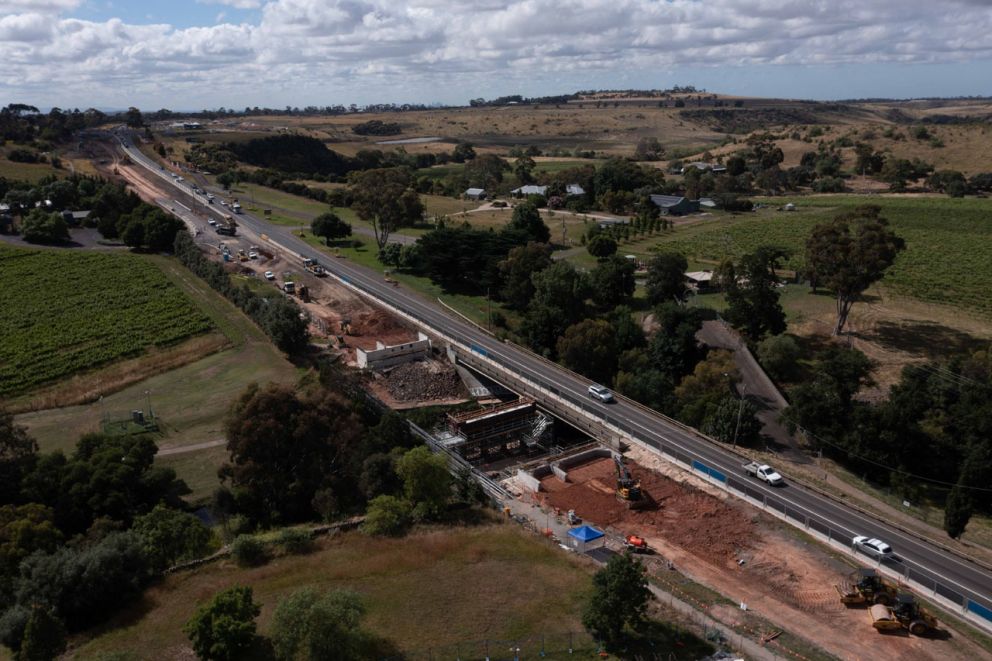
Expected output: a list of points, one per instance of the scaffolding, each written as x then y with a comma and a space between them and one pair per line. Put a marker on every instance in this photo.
485, 435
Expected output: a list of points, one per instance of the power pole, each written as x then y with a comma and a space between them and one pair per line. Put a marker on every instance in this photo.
740, 410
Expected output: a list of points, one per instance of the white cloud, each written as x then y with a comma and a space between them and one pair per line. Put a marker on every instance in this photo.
341, 45
237, 4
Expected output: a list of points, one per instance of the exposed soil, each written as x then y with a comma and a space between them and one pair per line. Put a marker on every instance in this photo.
745, 555
424, 380
683, 515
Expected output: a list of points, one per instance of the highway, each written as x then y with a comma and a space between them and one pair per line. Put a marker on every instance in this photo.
921, 560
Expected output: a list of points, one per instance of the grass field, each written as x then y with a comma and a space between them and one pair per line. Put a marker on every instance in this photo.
191, 400
431, 590
66, 312
948, 258
27, 171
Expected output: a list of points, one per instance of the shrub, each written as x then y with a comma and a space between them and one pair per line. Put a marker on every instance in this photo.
249, 551
295, 541
387, 515
224, 629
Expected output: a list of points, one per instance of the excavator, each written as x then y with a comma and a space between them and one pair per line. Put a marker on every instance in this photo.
628, 489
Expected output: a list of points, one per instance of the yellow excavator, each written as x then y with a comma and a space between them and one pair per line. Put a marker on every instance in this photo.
628, 489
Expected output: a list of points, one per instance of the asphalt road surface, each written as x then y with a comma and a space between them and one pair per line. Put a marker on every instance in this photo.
959, 576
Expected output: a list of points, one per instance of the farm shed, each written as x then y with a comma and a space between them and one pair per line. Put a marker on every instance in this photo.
699, 280
475, 194
675, 205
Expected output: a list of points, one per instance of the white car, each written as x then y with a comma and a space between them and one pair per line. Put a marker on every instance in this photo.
212, 222
269, 275
601, 393
223, 203
252, 255
872, 546
763, 472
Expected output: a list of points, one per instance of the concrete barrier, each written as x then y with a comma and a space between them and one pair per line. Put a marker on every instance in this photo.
382, 356
529, 480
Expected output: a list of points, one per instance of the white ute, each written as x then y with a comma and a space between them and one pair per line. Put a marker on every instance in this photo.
763, 472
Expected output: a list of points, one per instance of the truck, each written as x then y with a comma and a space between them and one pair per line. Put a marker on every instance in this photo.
636, 544
763, 472
314, 267
289, 287
236, 208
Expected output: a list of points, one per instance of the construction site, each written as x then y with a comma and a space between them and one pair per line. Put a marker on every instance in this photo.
691, 532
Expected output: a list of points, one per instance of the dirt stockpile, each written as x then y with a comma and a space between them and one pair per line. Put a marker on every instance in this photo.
424, 380
681, 514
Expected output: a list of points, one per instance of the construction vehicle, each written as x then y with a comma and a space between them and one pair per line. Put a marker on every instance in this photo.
636, 544
628, 489
304, 293
228, 226
865, 586
313, 267
906, 614
242, 255
289, 287
573, 518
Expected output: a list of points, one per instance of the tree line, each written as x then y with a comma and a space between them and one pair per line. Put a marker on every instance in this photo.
279, 317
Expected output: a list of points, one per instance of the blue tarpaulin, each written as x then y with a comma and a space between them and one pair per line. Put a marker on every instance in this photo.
585, 534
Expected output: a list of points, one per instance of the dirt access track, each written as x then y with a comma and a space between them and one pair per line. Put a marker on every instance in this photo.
743, 554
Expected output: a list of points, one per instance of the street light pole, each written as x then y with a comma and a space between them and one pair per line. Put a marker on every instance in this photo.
740, 410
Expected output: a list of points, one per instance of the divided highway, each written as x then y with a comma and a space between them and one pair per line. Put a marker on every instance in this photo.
961, 579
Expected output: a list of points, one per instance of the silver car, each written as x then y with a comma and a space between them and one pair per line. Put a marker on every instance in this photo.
601, 393
872, 546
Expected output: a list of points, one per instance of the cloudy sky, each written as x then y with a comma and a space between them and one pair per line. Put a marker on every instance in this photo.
191, 54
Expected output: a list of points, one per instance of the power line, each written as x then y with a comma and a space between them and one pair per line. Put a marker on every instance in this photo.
879, 464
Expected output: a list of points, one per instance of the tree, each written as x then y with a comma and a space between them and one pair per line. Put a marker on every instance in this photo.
310, 625
41, 226
734, 421
666, 278
560, 293
24, 529
523, 169
18, 453
620, 599
171, 536
134, 118
700, 393
612, 281
752, 295
518, 269
387, 515
589, 348
44, 637
224, 629
601, 246
648, 149
850, 254
957, 511
674, 348
85, 585
486, 171
285, 448
330, 226
527, 218
426, 482
386, 198
462, 152
779, 356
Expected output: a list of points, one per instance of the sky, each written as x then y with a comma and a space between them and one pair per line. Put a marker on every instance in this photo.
195, 54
